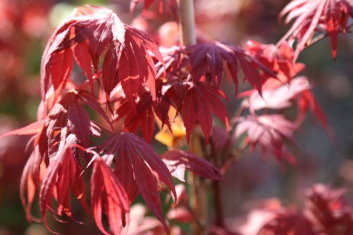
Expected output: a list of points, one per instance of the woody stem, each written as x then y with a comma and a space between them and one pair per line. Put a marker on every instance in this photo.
198, 190
187, 22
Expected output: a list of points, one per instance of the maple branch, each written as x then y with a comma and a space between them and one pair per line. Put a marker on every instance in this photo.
186, 22
198, 191
218, 205
187, 36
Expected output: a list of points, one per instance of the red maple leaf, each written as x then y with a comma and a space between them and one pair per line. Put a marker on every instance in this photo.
276, 95
30, 183
141, 114
287, 222
63, 173
68, 113
199, 102
316, 16
91, 34
208, 59
269, 132
67, 119
279, 59
109, 197
329, 210
307, 101
139, 169
279, 96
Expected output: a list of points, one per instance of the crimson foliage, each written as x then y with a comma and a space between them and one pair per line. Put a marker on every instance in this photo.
131, 83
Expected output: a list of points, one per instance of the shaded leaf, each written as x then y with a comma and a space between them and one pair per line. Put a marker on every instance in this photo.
108, 197
269, 132
287, 223
139, 169
140, 115
200, 101
207, 59
329, 210
62, 174
191, 162
30, 182
280, 59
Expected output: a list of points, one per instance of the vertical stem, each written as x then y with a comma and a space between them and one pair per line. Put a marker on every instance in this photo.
187, 36
187, 22
198, 191
218, 205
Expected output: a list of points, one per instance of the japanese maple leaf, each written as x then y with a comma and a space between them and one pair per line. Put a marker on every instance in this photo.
93, 34
287, 222
329, 210
109, 197
316, 16
178, 158
69, 113
200, 100
307, 101
208, 59
142, 114
30, 182
139, 169
280, 59
63, 173
278, 97
269, 133
175, 63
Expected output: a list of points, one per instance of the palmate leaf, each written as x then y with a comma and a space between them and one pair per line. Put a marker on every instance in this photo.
329, 210
139, 169
68, 113
326, 211
67, 118
138, 115
141, 114
200, 101
280, 59
93, 33
287, 222
194, 74
279, 96
269, 132
208, 59
322, 16
276, 95
196, 101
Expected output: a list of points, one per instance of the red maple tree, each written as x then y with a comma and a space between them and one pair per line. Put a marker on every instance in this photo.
102, 125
